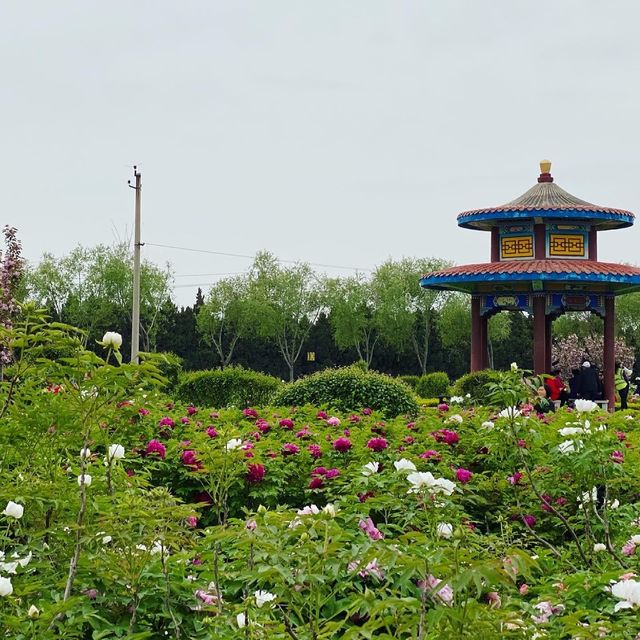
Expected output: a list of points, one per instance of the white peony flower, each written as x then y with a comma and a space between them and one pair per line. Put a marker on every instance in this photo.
457, 418
112, 339
241, 620
488, 425
571, 431
509, 412
85, 453
514, 366
6, 588
585, 406
628, 592
370, 468
422, 479
570, 446
404, 465
456, 400
116, 452
33, 612
309, 510
445, 530
262, 597
599, 546
85, 479
234, 443
14, 510
330, 510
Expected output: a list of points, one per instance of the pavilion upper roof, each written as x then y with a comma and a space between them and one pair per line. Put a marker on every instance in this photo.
546, 200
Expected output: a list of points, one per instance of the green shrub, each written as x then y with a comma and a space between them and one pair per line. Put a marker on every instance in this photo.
475, 384
412, 381
224, 387
433, 385
350, 389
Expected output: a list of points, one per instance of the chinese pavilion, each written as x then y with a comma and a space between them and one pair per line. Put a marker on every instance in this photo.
544, 261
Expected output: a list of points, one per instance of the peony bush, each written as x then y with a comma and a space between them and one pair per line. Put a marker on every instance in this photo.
127, 514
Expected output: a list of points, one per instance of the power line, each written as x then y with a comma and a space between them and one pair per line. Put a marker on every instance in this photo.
201, 275
240, 255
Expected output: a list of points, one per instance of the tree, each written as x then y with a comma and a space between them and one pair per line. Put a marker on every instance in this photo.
353, 315
225, 316
11, 271
93, 289
405, 313
286, 302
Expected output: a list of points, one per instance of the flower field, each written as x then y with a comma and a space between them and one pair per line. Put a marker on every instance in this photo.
128, 515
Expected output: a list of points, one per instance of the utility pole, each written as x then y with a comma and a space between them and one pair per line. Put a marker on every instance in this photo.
135, 318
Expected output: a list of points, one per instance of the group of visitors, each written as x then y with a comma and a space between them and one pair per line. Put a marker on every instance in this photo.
586, 383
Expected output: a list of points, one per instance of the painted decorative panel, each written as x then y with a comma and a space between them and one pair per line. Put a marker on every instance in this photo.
570, 245
516, 247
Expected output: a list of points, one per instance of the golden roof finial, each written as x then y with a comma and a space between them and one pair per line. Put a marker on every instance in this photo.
545, 166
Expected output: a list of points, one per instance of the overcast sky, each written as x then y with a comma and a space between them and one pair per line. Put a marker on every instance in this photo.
339, 132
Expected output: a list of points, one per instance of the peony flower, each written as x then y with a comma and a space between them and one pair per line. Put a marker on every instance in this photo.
366, 411
456, 400
404, 465
33, 612
488, 425
617, 457
598, 546
370, 529
509, 412
333, 421
463, 475
443, 406
569, 446
316, 483
370, 468
189, 458
249, 413
628, 592
6, 588
377, 444
241, 620
420, 480
13, 510
255, 473
112, 339
85, 453
286, 423
342, 445
332, 473
116, 452
430, 454
585, 406
321, 415
444, 530
546, 610
290, 449
157, 448
309, 510
456, 418
232, 444
314, 450
372, 569
529, 521
445, 593
84, 479
515, 478
330, 510
166, 422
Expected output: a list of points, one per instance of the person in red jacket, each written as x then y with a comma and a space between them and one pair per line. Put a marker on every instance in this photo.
558, 387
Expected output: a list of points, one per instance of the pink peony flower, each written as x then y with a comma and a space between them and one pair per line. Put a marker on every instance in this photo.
629, 548
143, 412
354, 418
316, 482
377, 444
303, 433
190, 459
409, 440
185, 420
314, 450
249, 413
263, 425
431, 455
621, 435
529, 521
319, 471
155, 447
332, 473
463, 475
370, 529
617, 457
366, 411
255, 473
207, 598
212, 433
290, 449
342, 445
321, 415
214, 414
191, 410
251, 525
333, 421
522, 444
443, 406
286, 423
192, 521
166, 422
515, 478
445, 593
92, 594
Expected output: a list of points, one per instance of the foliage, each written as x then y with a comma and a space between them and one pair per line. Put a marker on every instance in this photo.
433, 385
475, 384
349, 388
225, 387
11, 270
169, 365
412, 381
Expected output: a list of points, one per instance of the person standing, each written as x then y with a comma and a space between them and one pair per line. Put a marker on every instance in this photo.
588, 386
622, 381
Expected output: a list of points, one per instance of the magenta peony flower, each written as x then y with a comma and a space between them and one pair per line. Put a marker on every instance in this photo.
366, 411
342, 445
363, 497
166, 422
463, 475
522, 444
319, 471
190, 459
529, 520
431, 455
354, 418
333, 421
447, 436
617, 457
249, 413
191, 410
155, 447
443, 406
515, 478
185, 420
192, 521
409, 440
377, 444
316, 483
314, 450
263, 425
286, 423
212, 433
290, 449
321, 415
143, 412
621, 435
303, 433
255, 473
370, 529
347, 432
332, 473
214, 414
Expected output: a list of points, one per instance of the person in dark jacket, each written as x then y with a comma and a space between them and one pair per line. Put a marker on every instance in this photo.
588, 386
574, 384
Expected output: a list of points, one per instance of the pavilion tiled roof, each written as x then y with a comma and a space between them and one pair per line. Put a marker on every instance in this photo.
535, 267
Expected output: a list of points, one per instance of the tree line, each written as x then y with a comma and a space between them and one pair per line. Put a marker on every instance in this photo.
290, 320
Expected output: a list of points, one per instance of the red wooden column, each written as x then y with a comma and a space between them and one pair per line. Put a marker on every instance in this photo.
547, 344
539, 334
495, 244
476, 335
609, 350
483, 342
593, 244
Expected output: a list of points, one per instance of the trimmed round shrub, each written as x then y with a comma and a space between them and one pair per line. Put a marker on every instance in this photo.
433, 385
350, 389
475, 384
224, 387
412, 381
169, 365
